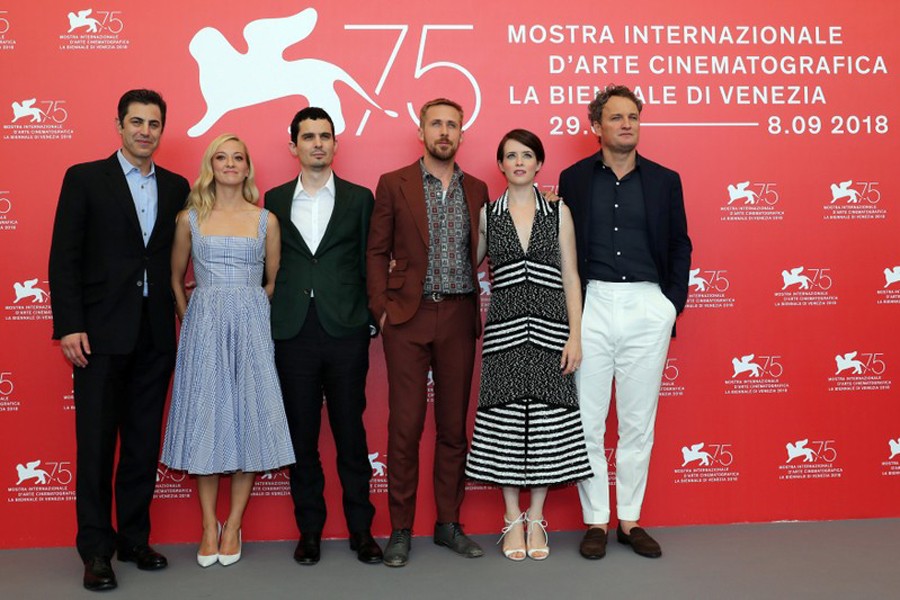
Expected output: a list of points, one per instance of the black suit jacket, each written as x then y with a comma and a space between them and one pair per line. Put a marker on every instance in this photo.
666, 221
98, 258
336, 271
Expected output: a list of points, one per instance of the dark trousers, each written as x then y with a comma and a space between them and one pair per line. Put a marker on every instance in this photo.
309, 365
118, 396
440, 336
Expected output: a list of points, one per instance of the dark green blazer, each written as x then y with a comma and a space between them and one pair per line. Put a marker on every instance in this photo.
336, 271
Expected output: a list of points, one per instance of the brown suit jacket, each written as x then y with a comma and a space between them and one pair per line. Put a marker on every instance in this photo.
399, 231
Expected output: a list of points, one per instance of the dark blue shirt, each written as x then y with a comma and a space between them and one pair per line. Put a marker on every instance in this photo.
619, 244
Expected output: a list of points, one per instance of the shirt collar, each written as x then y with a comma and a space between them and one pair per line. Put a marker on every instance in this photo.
127, 167
329, 185
599, 160
457, 172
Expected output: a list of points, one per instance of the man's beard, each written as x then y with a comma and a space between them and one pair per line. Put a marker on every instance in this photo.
436, 151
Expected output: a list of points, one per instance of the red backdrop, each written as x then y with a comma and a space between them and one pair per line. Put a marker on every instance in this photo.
778, 399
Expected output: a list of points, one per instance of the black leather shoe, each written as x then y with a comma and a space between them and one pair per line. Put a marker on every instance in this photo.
396, 554
309, 548
146, 558
99, 575
640, 541
366, 548
451, 535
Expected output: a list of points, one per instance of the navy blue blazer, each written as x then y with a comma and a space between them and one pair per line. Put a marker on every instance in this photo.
666, 221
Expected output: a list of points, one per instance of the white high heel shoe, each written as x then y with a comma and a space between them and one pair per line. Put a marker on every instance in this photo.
510, 552
539, 552
230, 559
208, 560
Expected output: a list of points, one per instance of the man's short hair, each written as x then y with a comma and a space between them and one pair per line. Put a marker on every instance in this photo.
527, 139
310, 112
439, 102
595, 108
141, 97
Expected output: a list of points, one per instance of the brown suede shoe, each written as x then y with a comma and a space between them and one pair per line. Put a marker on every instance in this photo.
640, 541
593, 545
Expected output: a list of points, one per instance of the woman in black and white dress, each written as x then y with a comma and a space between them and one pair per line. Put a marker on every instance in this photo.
528, 431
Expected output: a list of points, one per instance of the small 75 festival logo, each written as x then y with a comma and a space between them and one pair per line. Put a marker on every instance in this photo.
718, 454
57, 472
757, 367
752, 201
166, 475
42, 111
669, 385
748, 193
813, 278
756, 374
859, 372
857, 200
95, 21
849, 192
708, 280
811, 451
706, 463
707, 289
868, 363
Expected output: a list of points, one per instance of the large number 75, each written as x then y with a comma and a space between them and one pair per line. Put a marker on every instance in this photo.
421, 66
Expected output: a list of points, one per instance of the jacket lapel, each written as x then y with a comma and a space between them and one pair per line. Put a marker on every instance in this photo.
121, 193
413, 192
341, 205
289, 233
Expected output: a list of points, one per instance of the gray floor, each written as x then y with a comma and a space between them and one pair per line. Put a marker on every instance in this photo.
842, 559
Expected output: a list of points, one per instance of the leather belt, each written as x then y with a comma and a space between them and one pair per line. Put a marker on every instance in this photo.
439, 297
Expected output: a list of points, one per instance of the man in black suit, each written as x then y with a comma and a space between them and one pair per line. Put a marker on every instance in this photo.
114, 317
634, 255
321, 324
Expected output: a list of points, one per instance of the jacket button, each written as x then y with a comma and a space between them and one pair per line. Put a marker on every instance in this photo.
315, 261
306, 292
140, 283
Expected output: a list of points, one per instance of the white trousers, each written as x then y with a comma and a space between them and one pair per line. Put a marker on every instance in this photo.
625, 333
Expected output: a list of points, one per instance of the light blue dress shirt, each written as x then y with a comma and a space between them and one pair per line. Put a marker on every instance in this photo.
146, 200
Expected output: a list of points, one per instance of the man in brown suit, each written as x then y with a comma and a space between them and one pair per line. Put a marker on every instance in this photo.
426, 220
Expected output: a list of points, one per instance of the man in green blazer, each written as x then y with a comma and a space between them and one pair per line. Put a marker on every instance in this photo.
321, 325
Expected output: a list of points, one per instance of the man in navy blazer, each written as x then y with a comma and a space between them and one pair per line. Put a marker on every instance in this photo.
114, 317
634, 255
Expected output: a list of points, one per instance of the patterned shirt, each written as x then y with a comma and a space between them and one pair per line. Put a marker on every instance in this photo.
449, 262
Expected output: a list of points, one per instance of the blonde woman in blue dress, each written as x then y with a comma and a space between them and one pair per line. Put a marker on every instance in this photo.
227, 415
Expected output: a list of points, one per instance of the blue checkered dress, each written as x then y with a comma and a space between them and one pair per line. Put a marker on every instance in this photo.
227, 413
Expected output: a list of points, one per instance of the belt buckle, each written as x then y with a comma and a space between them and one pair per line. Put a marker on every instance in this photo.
436, 297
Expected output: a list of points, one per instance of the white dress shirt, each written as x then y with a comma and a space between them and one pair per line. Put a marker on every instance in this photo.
310, 214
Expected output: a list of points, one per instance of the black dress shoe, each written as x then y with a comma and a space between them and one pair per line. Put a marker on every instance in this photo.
146, 558
366, 548
452, 536
98, 574
396, 554
308, 550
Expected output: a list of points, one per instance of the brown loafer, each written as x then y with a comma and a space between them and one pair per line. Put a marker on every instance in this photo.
640, 541
593, 545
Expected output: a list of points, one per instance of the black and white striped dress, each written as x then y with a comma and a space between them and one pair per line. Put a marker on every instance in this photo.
528, 430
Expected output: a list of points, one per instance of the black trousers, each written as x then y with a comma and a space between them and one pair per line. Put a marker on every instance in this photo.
118, 397
311, 365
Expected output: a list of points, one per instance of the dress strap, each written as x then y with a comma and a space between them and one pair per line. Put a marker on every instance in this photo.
192, 219
263, 224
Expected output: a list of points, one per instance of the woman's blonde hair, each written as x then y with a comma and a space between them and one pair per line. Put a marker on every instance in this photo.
203, 193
